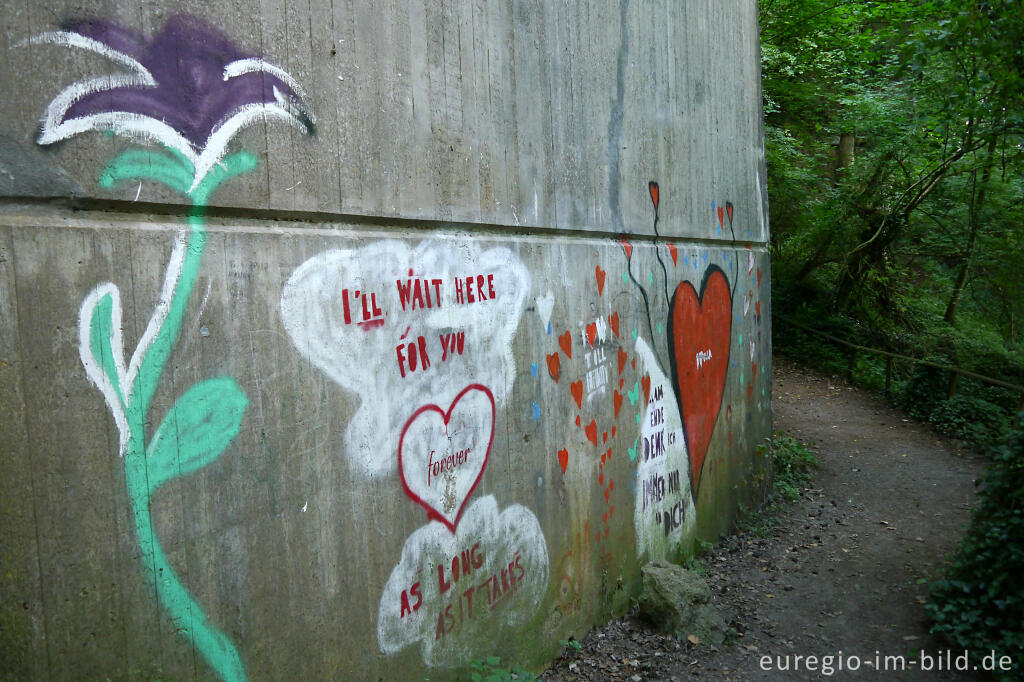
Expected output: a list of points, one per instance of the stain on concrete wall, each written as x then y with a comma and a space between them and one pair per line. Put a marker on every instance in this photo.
420, 376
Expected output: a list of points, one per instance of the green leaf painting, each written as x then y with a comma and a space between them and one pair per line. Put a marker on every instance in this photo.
196, 430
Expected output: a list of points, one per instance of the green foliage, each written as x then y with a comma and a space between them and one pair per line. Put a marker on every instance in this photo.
571, 643
697, 565
979, 604
793, 465
490, 669
894, 140
971, 419
923, 393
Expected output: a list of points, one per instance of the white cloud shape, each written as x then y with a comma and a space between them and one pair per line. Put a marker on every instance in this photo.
493, 575
365, 359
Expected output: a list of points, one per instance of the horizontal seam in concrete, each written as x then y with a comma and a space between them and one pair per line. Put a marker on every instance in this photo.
115, 210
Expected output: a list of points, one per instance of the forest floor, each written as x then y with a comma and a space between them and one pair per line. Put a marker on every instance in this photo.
842, 571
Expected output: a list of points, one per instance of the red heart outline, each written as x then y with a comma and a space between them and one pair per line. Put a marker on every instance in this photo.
446, 416
704, 322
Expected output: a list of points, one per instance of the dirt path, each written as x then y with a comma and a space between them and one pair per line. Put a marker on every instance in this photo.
845, 569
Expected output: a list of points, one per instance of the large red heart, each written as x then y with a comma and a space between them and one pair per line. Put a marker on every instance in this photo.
699, 329
442, 455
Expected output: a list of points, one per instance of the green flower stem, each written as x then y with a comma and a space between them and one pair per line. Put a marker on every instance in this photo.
152, 364
188, 616
177, 173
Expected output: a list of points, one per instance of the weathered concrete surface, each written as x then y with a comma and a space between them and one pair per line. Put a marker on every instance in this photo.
526, 113
221, 451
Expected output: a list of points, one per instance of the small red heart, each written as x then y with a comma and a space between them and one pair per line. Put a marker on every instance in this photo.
653, 187
563, 459
627, 246
613, 321
618, 402
592, 333
607, 492
605, 517
728, 209
611, 484
622, 362
577, 393
674, 252
759, 277
613, 436
553, 362
757, 308
600, 479
577, 420
565, 341
611, 510
591, 431
600, 280
633, 363
721, 216
645, 381
604, 437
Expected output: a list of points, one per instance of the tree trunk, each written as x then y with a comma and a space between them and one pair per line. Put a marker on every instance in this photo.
847, 143
977, 206
845, 151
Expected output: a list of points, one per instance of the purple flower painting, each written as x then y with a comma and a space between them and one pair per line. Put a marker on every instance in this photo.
187, 88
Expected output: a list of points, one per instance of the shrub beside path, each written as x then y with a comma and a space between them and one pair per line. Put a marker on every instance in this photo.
844, 569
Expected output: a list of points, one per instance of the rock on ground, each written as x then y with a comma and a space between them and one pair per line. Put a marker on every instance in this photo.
677, 601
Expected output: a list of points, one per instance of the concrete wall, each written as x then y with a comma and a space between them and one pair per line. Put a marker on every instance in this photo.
361, 340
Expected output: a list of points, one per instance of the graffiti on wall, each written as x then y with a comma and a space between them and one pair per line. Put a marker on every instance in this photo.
699, 328
489, 575
407, 329
189, 90
664, 513
671, 379
423, 335
442, 453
